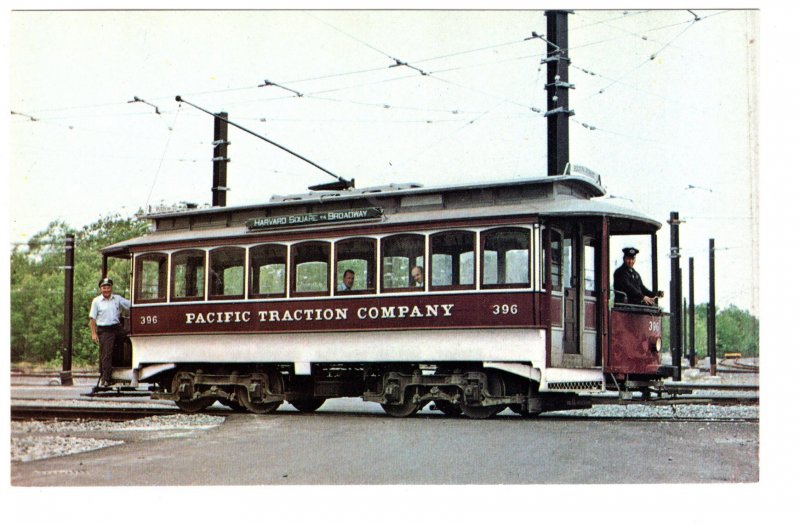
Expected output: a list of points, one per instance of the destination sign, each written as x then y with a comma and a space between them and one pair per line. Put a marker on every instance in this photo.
325, 217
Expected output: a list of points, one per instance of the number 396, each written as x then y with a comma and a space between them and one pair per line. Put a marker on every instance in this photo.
505, 309
148, 319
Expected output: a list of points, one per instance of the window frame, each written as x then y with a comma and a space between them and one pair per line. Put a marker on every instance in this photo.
549, 274
404, 289
253, 293
137, 269
172, 263
512, 228
209, 276
371, 266
431, 254
326, 245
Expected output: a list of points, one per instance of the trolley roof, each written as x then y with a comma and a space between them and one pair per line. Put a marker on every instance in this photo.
552, 196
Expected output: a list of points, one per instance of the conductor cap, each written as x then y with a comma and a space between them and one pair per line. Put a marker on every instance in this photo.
105, 282
630, 251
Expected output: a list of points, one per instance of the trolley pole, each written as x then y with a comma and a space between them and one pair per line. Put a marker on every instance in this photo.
675, 335
692, 356
69, 259
558, 87
712, 310
220, 161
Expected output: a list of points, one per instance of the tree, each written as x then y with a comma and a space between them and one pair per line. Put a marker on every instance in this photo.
737, 332
37, 287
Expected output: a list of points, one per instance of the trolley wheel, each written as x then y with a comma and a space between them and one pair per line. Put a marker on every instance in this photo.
448, 408
259, 408
194, 405
307, 405
405, 409
496, 387
262, 408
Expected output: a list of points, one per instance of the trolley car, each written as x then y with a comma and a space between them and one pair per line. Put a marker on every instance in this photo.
246, 305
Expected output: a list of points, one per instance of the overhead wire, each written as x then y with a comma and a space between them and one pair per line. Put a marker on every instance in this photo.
614, 81
163, 155
319, 94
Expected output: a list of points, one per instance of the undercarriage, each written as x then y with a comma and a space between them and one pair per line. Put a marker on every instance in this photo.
401, 389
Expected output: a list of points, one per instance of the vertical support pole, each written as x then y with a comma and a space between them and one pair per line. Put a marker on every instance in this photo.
558, 86
675, 336
69, 260
685, 322
547, 306
654, 261
605, 278
711, 321
220, 161
692, 356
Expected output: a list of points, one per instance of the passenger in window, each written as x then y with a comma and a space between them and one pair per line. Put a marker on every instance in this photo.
347, 281
418, 274
628, 284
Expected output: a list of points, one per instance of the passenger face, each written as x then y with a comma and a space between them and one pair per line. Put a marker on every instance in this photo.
348, 279
416, 274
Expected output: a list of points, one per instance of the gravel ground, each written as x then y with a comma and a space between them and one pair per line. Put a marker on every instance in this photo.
34, 440
667, 412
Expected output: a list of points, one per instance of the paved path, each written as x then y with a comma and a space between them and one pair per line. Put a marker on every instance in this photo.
337, 447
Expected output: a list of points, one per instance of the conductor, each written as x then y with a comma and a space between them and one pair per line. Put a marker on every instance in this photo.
105, 323
628, 284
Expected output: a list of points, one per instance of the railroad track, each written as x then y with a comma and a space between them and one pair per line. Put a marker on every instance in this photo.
48, 413
116, 414
131, 412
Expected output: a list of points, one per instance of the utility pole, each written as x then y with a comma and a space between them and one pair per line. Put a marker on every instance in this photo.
675, 299
685, 321
711, 320
558, 87
219, 185
692, 356
69, 262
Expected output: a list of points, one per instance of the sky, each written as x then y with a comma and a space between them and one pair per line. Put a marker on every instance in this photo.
666, 106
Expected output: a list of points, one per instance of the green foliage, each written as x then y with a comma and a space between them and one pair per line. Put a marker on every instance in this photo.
737, 332
37, 287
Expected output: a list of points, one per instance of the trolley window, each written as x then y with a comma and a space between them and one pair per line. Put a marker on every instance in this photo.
151, 278
311, 268
356, 255
556, 262
226, 275
268, 271
506, 258
402, 255
589, 263
453, 260
188, 272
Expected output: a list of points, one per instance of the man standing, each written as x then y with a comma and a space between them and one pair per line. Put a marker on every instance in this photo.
628, 281
106, 325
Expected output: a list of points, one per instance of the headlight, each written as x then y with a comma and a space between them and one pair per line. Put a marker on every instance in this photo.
657, 345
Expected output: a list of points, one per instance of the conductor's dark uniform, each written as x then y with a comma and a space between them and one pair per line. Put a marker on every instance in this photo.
628, 281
